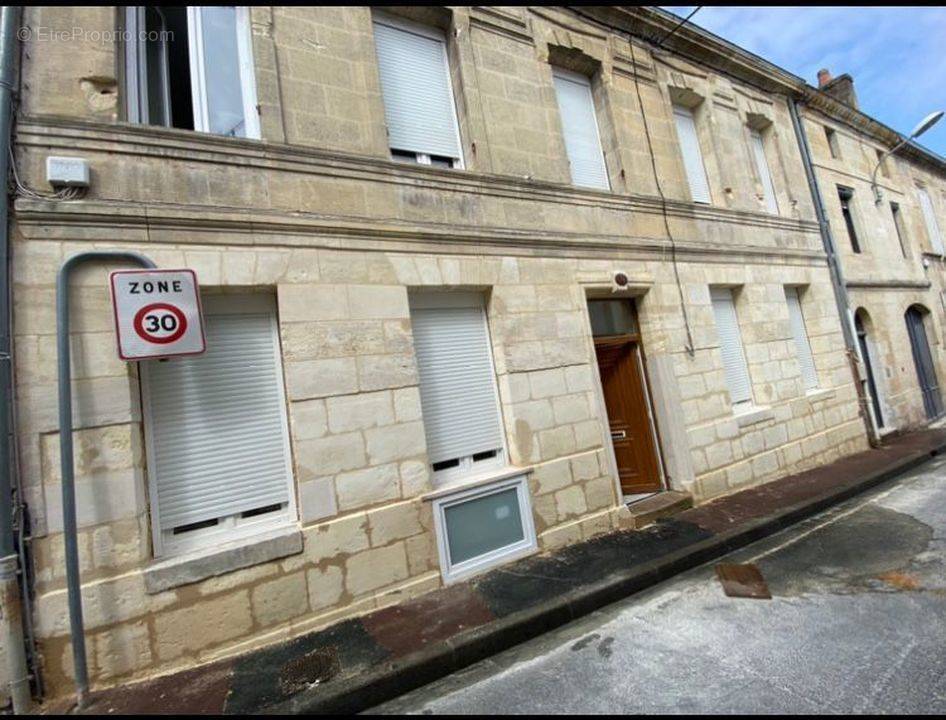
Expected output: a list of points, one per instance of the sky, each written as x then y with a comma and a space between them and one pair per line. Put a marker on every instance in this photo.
895, 54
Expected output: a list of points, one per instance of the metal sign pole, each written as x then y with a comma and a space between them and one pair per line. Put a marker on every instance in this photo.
66, 457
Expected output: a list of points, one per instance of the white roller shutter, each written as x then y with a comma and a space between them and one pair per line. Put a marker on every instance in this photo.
929, 216
730, 345
457, 381
762, 165
415, 84
580, 129
692, 156
806, 362
216, 423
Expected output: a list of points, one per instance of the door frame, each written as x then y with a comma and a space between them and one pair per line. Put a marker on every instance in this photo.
592, 294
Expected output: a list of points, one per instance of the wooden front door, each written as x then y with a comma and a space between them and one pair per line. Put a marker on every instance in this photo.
626, 402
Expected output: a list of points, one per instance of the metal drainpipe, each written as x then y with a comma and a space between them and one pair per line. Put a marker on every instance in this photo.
834, 267
11, 621
73, 582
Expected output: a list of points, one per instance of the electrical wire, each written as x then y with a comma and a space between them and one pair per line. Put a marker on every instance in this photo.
65, 193
691, 351
688, 346
679, 25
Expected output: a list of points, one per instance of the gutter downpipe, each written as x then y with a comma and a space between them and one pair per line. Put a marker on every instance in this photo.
73, 582
837, 277
11, 617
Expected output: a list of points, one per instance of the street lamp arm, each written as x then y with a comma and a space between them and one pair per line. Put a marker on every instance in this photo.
880, 161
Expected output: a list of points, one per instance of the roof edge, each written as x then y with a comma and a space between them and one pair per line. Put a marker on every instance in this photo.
652, 24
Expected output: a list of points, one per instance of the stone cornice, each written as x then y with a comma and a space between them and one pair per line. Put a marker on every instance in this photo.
144, 223
889, 284
73, 135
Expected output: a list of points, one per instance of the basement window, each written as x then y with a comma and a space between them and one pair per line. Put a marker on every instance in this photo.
483, 527
191, 68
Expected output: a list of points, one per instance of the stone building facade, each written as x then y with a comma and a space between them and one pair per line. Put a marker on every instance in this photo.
342, 245
891, 250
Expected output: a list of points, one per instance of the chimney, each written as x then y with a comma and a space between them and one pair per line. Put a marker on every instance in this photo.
840, 88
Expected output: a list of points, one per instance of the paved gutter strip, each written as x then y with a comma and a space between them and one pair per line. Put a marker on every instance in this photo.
391, 679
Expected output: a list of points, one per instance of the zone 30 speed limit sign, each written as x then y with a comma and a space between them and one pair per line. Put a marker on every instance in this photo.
157, 313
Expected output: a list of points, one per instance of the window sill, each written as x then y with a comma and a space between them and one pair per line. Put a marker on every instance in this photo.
753, 415
819, 394
473, 481
221, 559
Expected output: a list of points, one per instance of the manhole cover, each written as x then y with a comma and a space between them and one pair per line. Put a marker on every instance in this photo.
742, 580
310, 669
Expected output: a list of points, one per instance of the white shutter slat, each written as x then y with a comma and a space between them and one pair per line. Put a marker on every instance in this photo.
692, 155
580, 130
217, 424
762, 165
458, 398
806, 362
929, 217
415, 85
730, 345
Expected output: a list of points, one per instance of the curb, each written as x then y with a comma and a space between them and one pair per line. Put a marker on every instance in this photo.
392, 679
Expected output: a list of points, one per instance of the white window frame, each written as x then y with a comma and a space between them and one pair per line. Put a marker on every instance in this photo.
468, 468
453, 572
439, 36
928, 211
136, 75
764, 171
195, 38
228, 528
738, 406
688, 112
799, 290
585, 81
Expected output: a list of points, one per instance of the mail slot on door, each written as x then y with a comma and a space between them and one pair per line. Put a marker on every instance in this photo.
618, 434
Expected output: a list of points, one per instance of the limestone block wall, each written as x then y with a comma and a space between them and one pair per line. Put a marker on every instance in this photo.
318, 216
357, 433
318, 86
884, 280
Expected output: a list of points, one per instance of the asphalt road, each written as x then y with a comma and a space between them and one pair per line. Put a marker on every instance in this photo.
856, 624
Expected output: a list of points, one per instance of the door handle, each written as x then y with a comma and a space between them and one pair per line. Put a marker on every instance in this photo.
618, 434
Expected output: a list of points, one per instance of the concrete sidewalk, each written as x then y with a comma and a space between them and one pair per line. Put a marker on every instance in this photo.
362, 662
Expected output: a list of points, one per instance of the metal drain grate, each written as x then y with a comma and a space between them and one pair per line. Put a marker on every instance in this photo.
743, 581
316, 666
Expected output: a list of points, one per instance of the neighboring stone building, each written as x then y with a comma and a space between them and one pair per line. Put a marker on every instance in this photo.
470, 276
891, 250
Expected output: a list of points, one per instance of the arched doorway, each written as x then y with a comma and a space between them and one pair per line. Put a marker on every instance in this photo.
860, 325
923, 359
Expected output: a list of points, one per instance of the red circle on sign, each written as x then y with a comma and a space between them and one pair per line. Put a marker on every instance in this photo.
145, 335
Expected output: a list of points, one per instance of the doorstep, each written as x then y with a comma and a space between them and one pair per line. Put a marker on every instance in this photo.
362, 662
649, 510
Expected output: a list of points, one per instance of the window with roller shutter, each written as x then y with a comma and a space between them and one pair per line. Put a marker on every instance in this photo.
692, 155
459, 400
762, 167
219, 465
730, 346
806, 362
419, 108
929, 218
580, 129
